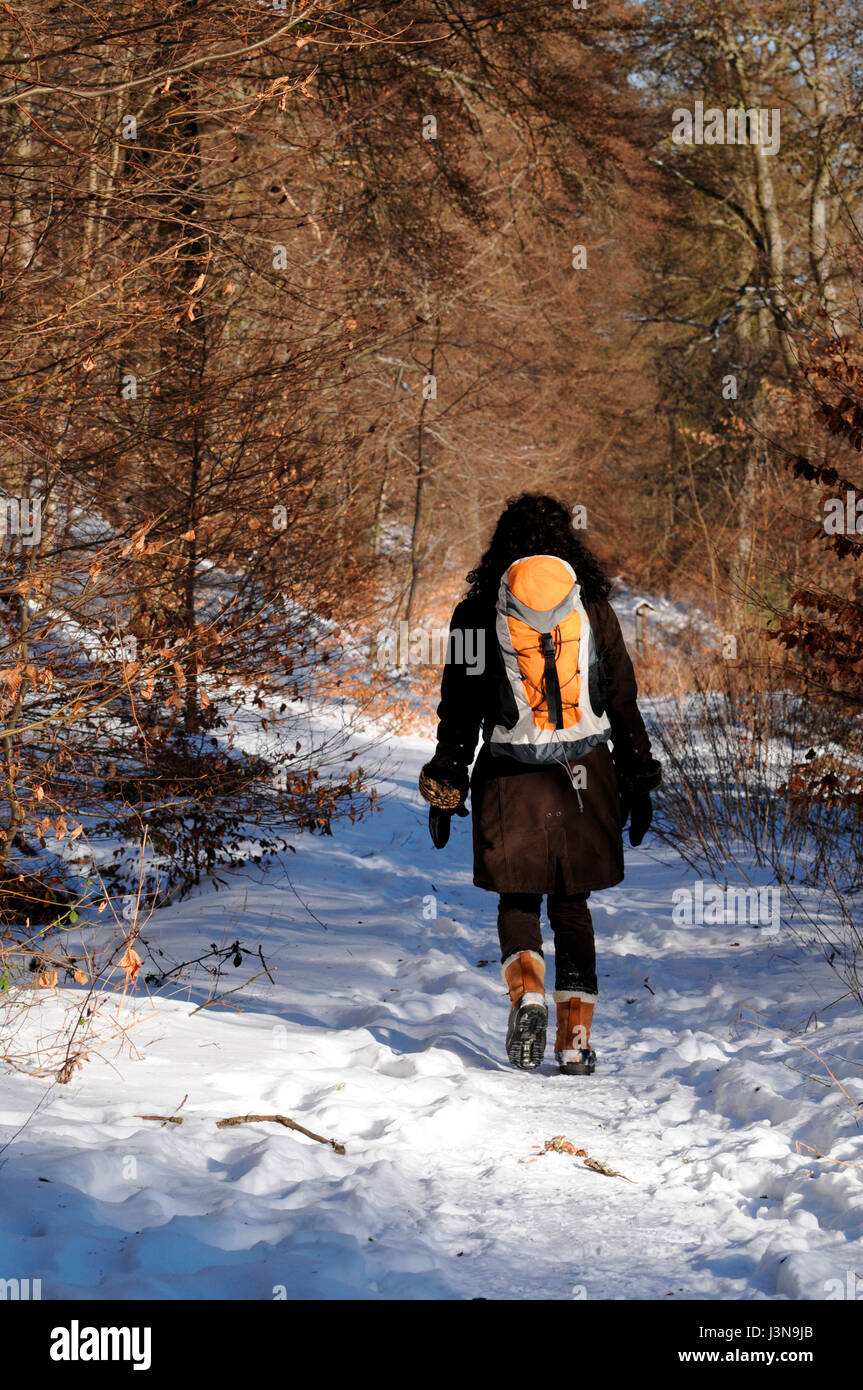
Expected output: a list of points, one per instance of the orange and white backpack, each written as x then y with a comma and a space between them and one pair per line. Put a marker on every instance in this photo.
552, 707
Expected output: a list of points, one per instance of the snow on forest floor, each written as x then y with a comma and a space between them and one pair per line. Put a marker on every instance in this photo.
384, 1029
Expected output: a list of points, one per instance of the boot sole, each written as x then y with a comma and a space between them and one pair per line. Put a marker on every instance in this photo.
525, 1038
585, 1068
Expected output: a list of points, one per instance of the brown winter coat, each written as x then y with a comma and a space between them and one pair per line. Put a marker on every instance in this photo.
530, 834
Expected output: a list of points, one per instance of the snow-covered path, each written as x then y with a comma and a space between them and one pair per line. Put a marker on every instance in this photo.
385, 1031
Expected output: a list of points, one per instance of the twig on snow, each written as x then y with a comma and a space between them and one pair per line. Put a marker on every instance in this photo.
174, 1119
280, 1120
219, 997
827, 1157
790, 1038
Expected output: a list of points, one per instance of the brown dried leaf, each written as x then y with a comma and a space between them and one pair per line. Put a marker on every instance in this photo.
12, 678
69, 1067
130, 962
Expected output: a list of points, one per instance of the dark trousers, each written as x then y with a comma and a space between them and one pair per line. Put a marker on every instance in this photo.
570, 920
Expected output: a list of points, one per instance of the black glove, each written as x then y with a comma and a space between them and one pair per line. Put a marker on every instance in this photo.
439, 824
635, 804
640, 813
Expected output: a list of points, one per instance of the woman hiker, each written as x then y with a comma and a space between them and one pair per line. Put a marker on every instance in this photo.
536, 661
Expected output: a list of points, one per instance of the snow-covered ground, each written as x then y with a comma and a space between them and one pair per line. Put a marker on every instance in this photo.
383, 1029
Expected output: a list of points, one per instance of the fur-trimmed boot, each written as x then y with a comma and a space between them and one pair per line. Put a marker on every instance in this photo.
575, 1056
524, 977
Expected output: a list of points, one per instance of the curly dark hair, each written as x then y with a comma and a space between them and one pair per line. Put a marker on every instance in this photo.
535, 524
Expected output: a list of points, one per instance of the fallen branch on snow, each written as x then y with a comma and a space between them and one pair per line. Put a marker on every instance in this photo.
280, 1120
254, 1120
827, 1157
174, 1119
